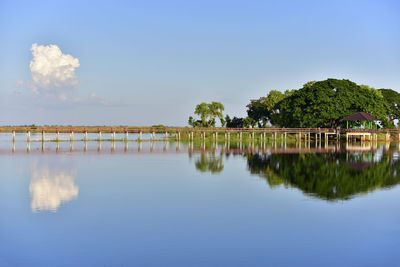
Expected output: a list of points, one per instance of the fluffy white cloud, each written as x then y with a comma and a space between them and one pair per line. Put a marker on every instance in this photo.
51, 69
50, 188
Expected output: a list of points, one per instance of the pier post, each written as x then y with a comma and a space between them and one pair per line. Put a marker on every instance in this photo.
166, 135
71, 137
216, 136
99, 137
28, 136
58, 136
13, 136
140, 136
85, 136
43, 136
126, 136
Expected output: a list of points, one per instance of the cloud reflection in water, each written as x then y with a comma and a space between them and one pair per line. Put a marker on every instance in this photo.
50, 188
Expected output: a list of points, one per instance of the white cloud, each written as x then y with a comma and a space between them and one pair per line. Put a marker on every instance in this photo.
54, 80
50, 188
52, 71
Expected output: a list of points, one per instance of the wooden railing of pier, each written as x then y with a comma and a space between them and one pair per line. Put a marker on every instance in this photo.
132, 129
192, 132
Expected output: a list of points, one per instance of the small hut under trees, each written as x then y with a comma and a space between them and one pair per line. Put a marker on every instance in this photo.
365, 119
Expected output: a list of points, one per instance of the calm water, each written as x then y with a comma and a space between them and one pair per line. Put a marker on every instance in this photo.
201, 205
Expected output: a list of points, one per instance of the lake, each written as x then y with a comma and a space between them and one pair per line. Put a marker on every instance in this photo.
179, 204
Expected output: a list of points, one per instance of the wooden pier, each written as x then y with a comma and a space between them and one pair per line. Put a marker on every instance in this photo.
177, 133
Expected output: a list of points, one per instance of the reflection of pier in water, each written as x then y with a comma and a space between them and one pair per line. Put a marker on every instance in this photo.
81, 133
310, 147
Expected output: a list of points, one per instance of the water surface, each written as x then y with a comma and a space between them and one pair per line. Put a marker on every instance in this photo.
170, 204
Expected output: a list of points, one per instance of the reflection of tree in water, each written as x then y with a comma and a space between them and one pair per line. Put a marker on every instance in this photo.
209, 162
326, 176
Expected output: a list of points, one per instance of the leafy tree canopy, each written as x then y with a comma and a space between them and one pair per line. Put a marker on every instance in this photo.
235, 122
240, 122
325, 103
208, 113
266, 109
392, 98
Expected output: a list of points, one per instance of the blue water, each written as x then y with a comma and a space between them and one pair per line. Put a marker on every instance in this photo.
164, 206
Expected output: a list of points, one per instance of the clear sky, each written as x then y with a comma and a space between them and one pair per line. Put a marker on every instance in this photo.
150, 62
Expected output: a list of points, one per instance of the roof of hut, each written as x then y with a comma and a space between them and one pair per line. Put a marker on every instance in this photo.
360, 116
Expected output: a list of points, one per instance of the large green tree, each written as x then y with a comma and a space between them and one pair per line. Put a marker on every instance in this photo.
208, 113
235, 122
325, 103
266, 109
392, 98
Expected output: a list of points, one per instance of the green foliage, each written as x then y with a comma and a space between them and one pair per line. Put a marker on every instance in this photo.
266, 109
195, 123
208, 114
240, 122
216, 109
249, 122
326, 176
325, 103
392, 98
234, 123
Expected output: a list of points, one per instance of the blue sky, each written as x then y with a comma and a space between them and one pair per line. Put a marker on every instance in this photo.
151, 62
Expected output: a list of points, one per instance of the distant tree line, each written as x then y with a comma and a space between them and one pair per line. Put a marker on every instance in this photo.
316, 104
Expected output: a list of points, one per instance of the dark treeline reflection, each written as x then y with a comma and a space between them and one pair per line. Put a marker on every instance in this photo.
331, 177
